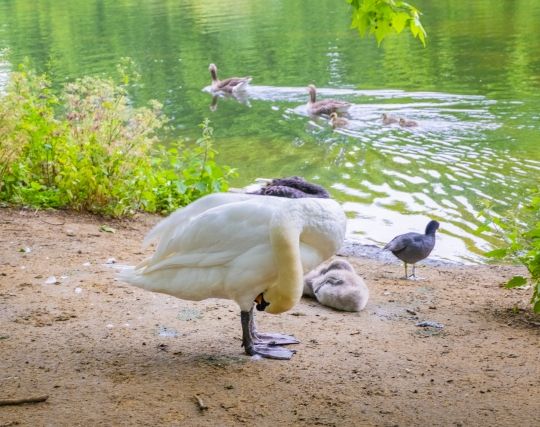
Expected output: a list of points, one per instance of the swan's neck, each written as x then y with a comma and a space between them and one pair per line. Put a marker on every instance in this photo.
286, 291
315, 225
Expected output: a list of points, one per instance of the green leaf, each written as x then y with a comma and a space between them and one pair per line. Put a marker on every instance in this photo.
536, 306
399, 21
107, 229
497, 253
516, 282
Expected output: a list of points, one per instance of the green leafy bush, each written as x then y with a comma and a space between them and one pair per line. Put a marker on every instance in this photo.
90, 149
521, 234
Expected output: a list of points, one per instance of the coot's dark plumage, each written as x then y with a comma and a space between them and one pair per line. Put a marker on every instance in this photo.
293, 187
413, 247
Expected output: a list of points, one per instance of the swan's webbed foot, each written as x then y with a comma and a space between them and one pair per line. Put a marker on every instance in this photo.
264, 345
274, 338
269, 351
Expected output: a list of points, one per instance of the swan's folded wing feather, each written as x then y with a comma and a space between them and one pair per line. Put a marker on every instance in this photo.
180, 218
215, 237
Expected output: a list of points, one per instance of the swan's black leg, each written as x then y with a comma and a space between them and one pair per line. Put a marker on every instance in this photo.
253, 347
269, 338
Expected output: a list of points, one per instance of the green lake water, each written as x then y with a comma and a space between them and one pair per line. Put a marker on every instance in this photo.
474, 90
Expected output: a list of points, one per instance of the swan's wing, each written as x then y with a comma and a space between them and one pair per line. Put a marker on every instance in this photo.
215, 237
175, 222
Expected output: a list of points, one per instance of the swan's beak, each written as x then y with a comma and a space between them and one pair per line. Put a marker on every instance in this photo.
261, 303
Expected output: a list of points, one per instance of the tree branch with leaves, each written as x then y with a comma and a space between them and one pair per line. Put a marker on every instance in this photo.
382, 18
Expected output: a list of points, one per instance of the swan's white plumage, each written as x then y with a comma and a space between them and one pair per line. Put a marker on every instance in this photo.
237, 246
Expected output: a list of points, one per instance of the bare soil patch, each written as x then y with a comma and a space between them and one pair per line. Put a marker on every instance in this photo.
109, 354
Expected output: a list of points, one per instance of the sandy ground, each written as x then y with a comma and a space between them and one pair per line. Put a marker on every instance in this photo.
108, 354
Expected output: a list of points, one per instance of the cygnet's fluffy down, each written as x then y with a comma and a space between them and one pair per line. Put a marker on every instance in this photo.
338, 286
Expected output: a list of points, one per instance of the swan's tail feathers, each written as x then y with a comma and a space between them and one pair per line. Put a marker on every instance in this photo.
132, 276
155, 233
168, 225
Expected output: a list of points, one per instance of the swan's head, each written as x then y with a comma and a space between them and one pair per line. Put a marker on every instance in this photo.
275, 301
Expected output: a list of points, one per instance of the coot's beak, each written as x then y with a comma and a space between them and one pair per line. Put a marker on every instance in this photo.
261, 303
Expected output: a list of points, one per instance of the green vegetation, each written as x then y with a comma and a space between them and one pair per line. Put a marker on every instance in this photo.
521, 234
382, 18
90, 149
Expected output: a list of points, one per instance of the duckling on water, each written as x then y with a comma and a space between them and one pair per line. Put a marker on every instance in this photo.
230, 85
407, 123
388, 119
413, 247
325, 106
337, 122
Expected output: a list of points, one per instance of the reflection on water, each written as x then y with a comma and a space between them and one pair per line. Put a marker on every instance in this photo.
474, 91
439, 169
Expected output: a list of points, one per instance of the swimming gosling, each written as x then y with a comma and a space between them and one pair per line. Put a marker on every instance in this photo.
413, 247
337, 122
388, 119
407, 123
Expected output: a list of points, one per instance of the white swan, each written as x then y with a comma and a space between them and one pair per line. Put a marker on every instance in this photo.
245, 248
338, 286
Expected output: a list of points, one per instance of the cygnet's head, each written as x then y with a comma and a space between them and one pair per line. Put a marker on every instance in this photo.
341, 289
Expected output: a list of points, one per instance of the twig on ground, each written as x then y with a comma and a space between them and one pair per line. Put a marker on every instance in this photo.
37, 399
200, 403
52, 223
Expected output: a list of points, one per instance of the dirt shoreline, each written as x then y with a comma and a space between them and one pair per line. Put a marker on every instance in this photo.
108, 354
